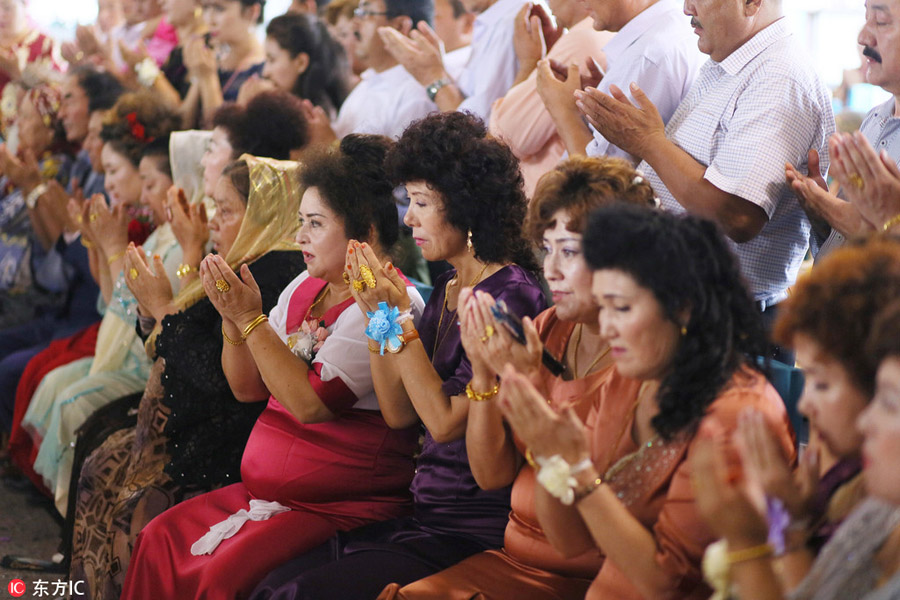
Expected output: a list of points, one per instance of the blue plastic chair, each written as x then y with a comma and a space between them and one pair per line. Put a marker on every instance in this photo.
788, 381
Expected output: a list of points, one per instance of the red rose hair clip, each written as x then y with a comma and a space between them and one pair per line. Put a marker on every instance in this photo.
137, 130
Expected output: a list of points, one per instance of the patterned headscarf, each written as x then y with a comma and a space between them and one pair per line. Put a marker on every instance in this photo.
46, 99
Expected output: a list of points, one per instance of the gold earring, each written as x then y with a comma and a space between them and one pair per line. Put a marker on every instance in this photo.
684, 330
469, 241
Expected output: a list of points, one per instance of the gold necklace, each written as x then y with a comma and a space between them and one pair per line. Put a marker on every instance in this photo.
316, 303
438, 338
575, 355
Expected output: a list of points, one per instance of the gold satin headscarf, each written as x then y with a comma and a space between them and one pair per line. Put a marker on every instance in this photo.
270, 222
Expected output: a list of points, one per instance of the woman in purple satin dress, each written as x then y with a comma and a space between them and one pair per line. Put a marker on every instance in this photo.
466, 207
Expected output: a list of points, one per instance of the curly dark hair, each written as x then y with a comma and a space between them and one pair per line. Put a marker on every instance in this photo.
323, 82
687, 265
580, 184
136, 120
101, 88
353, 182
836, 303
477, 177
270, 125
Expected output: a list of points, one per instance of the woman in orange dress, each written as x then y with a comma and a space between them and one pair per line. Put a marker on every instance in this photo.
677, 317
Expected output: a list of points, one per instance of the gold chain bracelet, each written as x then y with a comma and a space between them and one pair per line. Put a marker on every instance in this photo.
481, 396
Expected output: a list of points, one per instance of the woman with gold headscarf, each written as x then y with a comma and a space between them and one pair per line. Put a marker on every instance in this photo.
190, 431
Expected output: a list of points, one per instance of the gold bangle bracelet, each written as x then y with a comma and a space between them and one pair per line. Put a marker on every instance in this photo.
228, 339
115, 257
253, 325
752, 553
891, 223
529, 458
481, 396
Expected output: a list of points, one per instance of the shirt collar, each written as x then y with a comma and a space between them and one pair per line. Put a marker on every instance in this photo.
637, 27
738, 59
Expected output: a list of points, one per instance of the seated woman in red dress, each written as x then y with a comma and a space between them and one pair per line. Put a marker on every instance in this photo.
321, 457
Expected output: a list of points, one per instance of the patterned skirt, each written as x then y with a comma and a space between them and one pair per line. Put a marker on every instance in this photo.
122, 487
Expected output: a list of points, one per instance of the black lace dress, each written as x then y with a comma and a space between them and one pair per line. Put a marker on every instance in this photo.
189, 438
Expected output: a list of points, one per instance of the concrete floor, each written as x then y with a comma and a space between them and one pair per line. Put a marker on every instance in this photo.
27, 528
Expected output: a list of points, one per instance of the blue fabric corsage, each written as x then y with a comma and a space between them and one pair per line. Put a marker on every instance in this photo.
384, 328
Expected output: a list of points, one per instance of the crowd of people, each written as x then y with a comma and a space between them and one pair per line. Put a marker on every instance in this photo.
421, 299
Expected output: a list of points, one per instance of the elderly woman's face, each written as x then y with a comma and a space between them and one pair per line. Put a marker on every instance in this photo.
880, 426
431, 232
568, 276
226, 223
830, 398
641, 338
218, 154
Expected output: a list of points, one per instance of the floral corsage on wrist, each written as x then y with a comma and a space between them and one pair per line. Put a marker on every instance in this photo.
385, 328
557, 476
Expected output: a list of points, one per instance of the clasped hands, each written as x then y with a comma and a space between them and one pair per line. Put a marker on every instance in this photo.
149, 284
237, 299
421, 54
870, 183
731, 483
189, 224
364, 268
492, 351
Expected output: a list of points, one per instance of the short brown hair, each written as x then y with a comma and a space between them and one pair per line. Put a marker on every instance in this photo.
884, 341
836, 304
578, 186
336, 9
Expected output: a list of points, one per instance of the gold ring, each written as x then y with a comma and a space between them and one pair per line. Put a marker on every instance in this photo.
92, 217
79, 219
346, 277
133, 273
857, 181
367, 275
358, 285
488, 331
484, 339
222, 285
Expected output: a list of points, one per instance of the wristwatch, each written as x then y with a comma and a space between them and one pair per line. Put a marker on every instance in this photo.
433, 89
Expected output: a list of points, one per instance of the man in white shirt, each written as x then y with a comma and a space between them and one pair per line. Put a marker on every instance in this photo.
653, 46
491, 69
756, 105
453, 23
388, 98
